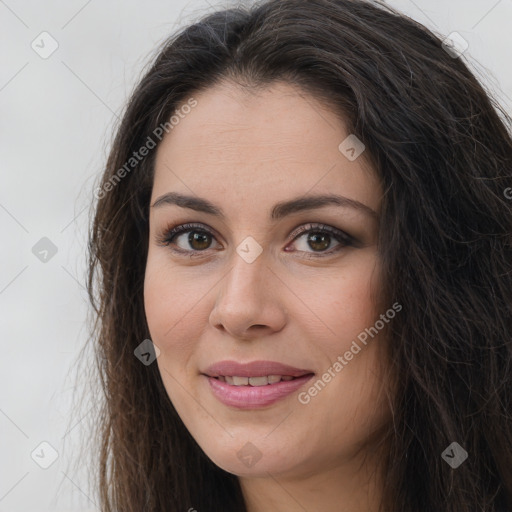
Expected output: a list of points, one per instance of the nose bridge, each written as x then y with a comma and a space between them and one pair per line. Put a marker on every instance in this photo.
246, 297
247, 277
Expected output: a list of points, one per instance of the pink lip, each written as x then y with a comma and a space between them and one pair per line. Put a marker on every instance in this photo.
252, 397
253, 369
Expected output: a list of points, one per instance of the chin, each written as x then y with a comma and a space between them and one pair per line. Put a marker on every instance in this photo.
260, 468
258, 459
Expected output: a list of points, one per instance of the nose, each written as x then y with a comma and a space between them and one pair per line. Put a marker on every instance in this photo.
249, 303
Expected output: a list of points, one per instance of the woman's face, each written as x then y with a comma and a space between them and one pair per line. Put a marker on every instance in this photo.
255, 280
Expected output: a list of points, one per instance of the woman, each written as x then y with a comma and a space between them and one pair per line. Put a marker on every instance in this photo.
300, 263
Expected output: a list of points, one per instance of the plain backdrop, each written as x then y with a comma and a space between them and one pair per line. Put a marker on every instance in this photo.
56, 121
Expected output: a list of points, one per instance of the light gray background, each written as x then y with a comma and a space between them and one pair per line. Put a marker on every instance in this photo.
57, 116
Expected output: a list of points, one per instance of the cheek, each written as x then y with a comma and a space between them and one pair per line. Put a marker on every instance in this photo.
175, 320
159, 300
347, 301
349, 311
169, 306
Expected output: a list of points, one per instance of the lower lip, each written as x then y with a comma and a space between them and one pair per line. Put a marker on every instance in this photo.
252, 397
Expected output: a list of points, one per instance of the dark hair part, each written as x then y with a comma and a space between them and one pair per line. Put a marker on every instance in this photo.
443, 150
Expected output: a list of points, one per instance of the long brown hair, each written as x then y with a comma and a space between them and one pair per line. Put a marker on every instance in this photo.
443, 149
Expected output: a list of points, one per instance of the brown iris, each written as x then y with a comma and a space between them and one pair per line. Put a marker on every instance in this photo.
314, 238
199, 238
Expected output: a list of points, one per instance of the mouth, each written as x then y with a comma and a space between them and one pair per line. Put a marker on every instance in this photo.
253, 370
264, 380
256, 384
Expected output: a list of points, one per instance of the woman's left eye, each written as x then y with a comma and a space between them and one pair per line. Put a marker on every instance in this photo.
319, 238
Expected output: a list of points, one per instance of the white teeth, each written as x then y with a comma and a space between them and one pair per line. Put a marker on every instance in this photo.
240, 381
258, 381
254, 381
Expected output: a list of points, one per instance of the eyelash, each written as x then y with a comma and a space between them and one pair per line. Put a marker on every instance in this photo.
171, 232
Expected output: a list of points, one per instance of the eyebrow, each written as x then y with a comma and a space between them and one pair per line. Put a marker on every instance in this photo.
280, 210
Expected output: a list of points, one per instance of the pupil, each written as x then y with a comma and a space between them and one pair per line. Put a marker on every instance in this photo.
314, 240
195, 237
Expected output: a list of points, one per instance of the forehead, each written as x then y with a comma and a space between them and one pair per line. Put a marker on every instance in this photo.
256, 146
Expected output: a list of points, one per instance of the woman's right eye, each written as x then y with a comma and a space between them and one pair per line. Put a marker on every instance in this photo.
198, 239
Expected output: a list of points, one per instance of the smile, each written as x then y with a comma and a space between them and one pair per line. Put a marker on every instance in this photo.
254, 381
254, 385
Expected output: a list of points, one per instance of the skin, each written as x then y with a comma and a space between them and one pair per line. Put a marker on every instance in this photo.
245, 151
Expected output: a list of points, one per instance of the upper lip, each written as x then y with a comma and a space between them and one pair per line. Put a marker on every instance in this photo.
253, 369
